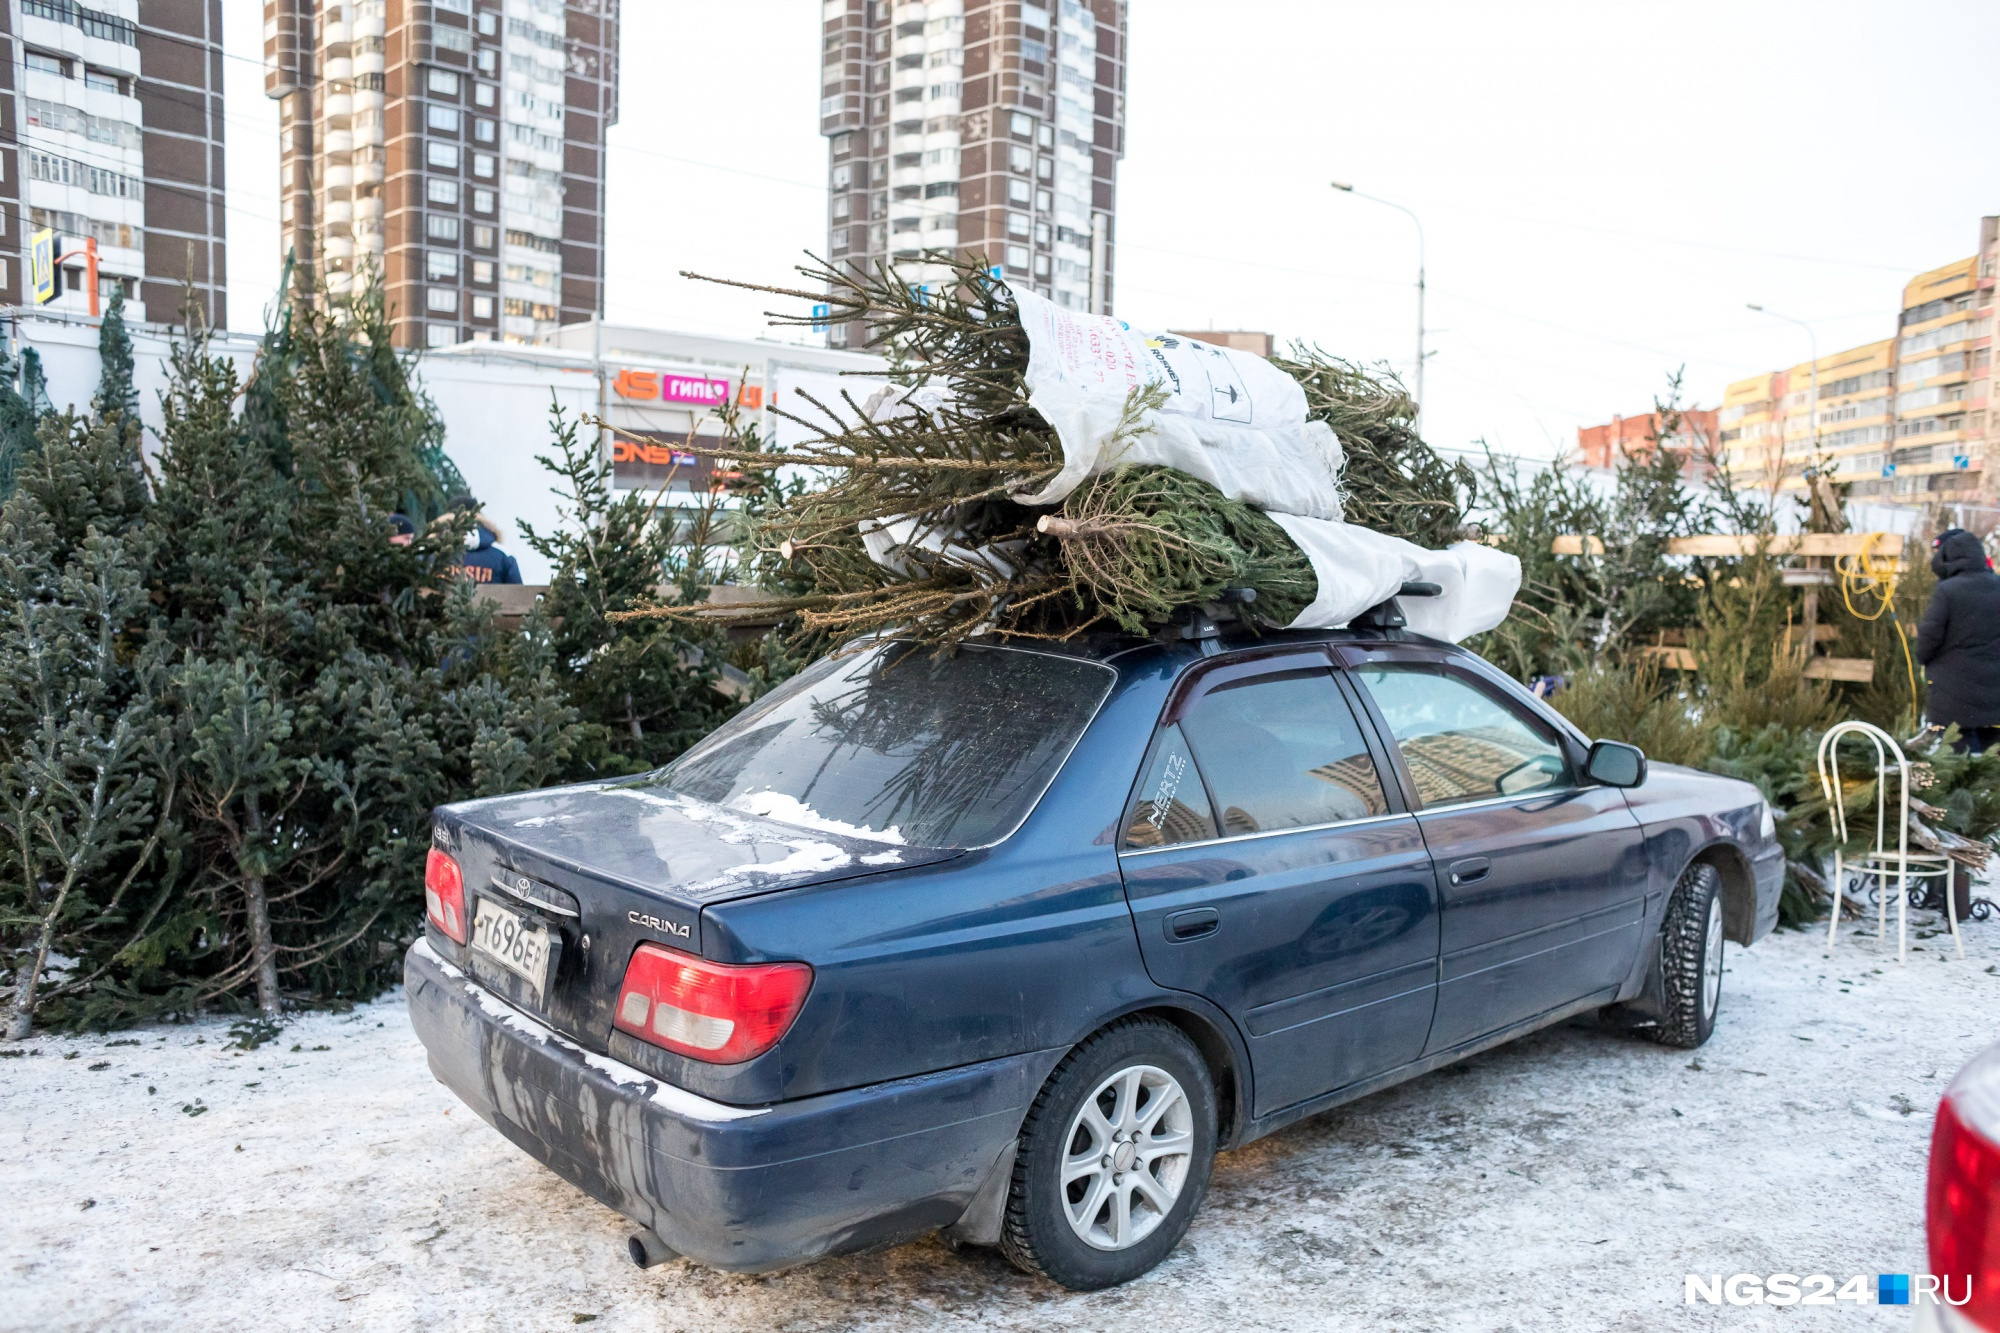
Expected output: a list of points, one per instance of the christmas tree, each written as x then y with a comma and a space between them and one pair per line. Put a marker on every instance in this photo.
928, 515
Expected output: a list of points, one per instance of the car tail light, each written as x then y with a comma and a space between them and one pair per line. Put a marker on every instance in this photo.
444, 895
1962, 1213
718, 1012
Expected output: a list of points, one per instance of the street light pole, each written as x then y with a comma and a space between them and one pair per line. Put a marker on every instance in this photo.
1345, 188
1812, 340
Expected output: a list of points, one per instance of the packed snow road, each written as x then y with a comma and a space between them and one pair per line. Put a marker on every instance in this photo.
159, 1179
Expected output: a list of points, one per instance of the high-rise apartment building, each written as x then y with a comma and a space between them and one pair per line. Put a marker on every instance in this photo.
116, 113
455, 145
1905, 419
992, 128
1767, 422
1944, 353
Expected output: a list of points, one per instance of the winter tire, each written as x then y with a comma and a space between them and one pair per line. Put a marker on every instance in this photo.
1114, 1157
1691, 959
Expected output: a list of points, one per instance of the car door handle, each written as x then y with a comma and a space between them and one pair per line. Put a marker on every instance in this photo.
1192, 925
1471, 870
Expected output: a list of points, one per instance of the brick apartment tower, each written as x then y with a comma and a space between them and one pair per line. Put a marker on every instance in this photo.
989, 127
456, 144
111, 129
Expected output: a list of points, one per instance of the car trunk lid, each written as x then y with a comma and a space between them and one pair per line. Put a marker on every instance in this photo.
605, 867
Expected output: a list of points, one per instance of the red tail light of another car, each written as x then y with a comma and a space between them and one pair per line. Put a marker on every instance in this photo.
444, 896
1962, 1213
718, 1012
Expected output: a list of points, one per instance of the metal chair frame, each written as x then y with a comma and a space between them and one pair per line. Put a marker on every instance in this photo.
1879, 862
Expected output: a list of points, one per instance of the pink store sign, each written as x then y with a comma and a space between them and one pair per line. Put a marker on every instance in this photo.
696, 389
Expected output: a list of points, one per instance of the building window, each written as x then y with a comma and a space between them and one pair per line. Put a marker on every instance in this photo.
47, 64
1017, 224
1045, 168
103, 82
441, 228
442, 192
1041, 266
1017, 257
483, 130
1018, 192
519, 308
489, 62
1043, 201
1022, 124
452, 39
482, 307
482, 270
455, 6
440, 264
482, 164
1047, 137
484, 94
444, 156
482, 238
840, 205
489, 24
482, 201
444, 300
1041, 233
440, 335
938, 189
442, 118
841, 177
444, 81
1020, 158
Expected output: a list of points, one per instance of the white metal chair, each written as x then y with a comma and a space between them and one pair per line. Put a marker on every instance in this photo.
1880, 863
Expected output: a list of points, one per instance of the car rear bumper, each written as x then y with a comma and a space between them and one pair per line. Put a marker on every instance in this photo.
745, 1189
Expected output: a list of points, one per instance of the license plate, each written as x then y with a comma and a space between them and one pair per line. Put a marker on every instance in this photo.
513, 941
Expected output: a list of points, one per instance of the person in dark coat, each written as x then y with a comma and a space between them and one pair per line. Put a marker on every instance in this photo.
484, 561
1959, 640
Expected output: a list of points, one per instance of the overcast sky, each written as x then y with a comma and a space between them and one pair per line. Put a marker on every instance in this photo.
1603, 186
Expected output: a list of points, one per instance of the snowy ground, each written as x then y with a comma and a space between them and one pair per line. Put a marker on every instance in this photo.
1569, 1181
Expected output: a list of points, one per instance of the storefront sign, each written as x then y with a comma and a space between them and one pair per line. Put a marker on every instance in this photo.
655, 386
665, 386
646, 458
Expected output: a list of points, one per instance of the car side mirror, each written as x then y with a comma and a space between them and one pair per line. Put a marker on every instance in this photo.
1616, 764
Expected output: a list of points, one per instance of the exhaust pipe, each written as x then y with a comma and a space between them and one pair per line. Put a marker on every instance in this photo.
649, 1251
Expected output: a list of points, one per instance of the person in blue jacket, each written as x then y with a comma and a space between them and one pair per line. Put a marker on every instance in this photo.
484, 561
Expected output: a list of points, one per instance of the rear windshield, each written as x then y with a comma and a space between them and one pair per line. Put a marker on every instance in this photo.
900, 746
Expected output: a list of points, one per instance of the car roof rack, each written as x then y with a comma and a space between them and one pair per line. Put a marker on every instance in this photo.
1387, 614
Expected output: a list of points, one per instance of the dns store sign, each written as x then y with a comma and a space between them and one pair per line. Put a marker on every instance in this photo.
655, 386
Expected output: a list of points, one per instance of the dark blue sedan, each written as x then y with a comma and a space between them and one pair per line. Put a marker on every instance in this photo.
1012, 942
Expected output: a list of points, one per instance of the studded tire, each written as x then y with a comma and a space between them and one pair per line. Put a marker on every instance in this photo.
1691, 959
1038, 1235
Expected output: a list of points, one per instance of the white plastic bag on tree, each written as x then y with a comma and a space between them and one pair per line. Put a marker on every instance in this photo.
1359, 567
1231, 418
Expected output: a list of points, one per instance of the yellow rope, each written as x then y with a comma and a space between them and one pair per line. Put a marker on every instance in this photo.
1870, 574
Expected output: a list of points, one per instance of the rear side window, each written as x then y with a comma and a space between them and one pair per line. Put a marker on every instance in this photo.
896, 744
1460, 743
1172, 806
1273, 752
1282, 751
